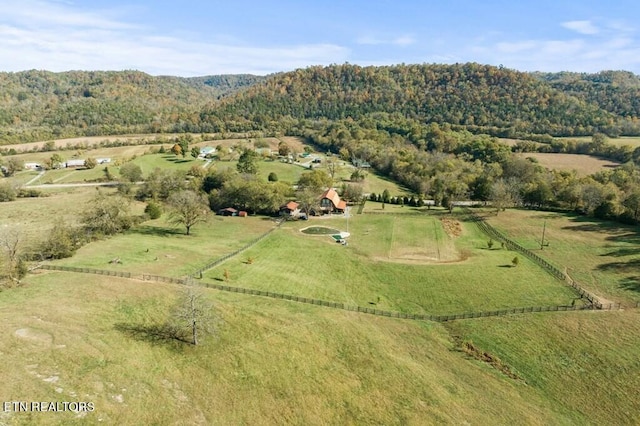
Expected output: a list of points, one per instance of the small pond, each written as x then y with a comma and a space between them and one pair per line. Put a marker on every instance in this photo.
319, 230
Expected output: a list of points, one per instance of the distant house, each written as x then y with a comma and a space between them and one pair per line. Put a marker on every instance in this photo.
103, 160
229, 211
206, 150
74, 164
360, 163
291, 209
330, 202
33, 166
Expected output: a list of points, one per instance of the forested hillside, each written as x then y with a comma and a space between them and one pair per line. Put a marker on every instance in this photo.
38, 105
479, 98
617, 92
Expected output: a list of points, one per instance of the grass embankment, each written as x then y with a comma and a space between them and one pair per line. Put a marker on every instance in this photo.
403, 263
602, 255
586, 362
76, 337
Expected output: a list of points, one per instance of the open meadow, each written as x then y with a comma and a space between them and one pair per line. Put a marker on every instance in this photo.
584, 165
602, 256
405, 263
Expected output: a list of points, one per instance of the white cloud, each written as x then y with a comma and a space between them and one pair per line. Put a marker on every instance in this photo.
582, 27
403, 40
58, 37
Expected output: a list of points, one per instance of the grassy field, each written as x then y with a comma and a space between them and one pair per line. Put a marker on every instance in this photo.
159, 248
603, 256
587, 363
404, 263
73, 337
632, 141
584, 165
34, 217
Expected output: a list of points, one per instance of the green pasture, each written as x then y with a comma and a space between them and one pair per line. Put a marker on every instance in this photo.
387, 265
587, 362
71, 337
603, 256
632, 141
158, 248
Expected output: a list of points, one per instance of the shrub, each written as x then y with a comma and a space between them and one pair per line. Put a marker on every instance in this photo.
273, 177
153, 210
7, 192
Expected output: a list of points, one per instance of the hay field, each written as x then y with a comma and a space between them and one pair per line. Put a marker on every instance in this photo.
584, 165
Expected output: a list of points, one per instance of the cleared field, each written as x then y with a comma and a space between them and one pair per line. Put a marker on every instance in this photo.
71, 337
603, 256
633, 141
584, 165
373, 268
586, 362
34, 217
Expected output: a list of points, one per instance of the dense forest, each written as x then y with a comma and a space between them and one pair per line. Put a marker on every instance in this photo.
40, 105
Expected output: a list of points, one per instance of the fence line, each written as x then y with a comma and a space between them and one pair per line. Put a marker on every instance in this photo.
553, 270
339, 305
216, 262
85, 270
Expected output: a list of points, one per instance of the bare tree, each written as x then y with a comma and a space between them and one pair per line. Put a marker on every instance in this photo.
194, 314
14, 268
188, 209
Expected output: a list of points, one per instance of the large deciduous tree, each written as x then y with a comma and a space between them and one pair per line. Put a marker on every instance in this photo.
248, 162
188, 208
194, 315
107, 214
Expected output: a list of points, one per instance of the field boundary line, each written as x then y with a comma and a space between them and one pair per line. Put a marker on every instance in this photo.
336, 305
544, 264
215, 262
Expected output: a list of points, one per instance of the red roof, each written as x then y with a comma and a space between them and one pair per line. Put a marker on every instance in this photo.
333, 196
291, 205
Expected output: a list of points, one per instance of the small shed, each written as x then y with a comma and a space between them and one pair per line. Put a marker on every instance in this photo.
229, 211
242, 213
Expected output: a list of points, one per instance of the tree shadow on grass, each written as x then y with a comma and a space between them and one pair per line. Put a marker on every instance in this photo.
156, 231
178, 160
156, 334
631, 283
630, 266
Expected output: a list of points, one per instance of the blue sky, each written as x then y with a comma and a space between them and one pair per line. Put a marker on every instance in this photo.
197, 37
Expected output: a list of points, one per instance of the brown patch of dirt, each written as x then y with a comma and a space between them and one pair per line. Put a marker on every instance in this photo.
452, 227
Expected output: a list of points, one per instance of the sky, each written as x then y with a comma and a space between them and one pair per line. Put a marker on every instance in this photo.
197, 37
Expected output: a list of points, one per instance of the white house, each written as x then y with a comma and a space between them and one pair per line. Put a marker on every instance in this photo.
103, 160
74, 164
33, 166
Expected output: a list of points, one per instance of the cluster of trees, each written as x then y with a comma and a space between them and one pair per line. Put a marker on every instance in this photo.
438, 163
40, 105
479, 98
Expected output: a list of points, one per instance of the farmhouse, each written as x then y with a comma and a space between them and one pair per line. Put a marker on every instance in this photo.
291, 209
330, 202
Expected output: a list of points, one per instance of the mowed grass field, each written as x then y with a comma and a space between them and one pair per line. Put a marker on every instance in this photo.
603, 256
632, 141
76, 337
159, 248
584, 165
403, 263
